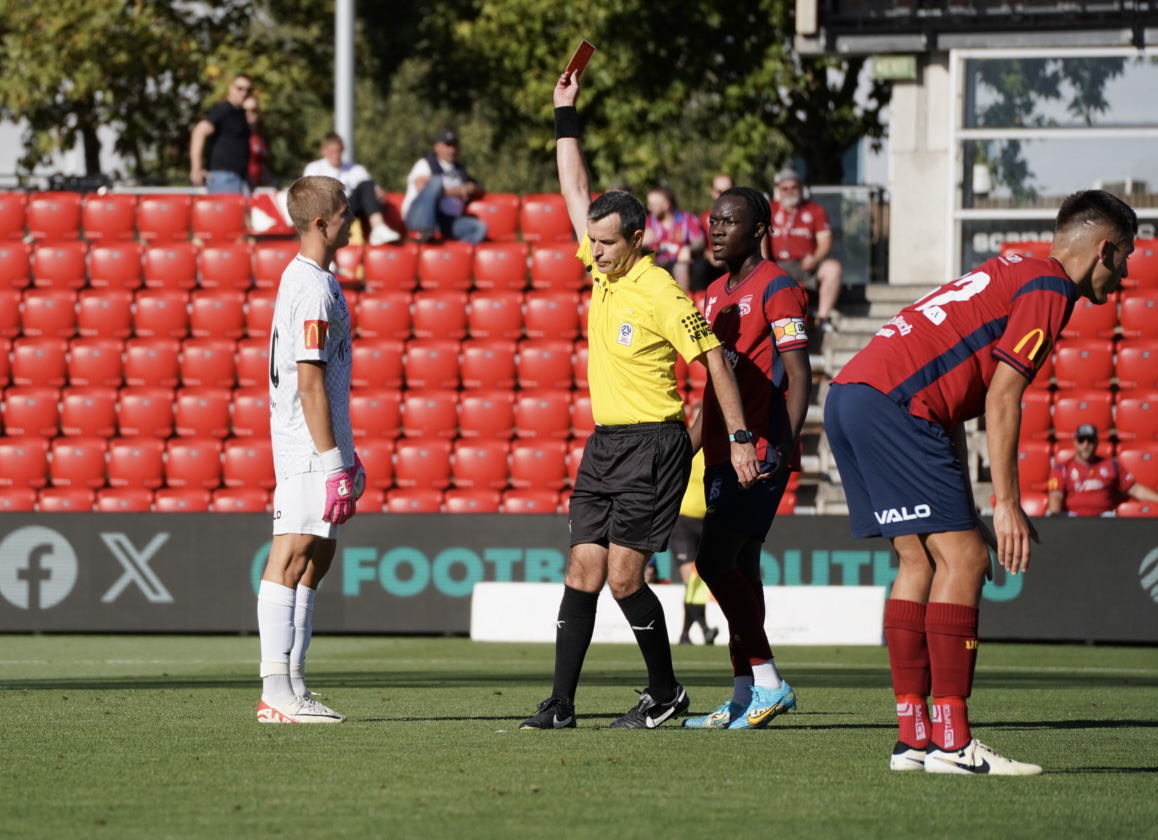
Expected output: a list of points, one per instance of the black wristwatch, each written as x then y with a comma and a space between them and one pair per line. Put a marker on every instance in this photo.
740, 436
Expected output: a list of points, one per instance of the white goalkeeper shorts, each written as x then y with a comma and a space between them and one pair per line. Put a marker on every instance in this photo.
299, 503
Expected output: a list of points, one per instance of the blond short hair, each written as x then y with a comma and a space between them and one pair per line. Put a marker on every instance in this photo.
312, 197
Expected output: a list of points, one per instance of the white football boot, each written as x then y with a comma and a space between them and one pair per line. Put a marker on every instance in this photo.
297, 710
976, 759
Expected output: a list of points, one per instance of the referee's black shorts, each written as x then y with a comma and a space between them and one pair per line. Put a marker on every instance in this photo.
630, 484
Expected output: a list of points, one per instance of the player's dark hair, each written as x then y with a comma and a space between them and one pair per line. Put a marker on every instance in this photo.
632, 216
757, 203
1093, 207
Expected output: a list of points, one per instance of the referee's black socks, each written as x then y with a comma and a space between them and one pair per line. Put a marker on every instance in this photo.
573, 633
644, 613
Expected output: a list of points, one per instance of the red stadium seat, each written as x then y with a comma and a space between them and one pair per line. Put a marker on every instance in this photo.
500, 266
488, 364
1036, 420
554, 266
487, 414
17, 499
5, 362
384, 314
40, 361
88, 412
544, 217
219, 217
53, 215
1135, 509
23, 461
78, 462
530, 501
1141, 461
1092, 321
1033, 248
105, 313
227, 266
110, 216
182, 500
348, 262
539, 464
377, 456
1034, 460
553, 315
49, 312
1074, 408
582, 420
472, 501
1143, 266
251, 412
378, 363
787, 504
376, 413
1140, 314
1137, 416
15, 264
10, 317
574, 456
440, 314
13, 206
66, 500
95, 361
170, 265
1084, 363
584, 311
124, 500
217, 313
481, 464
241, 500
203, 412
145, 412
391, 267
422, 463
164, 218
116, 265
431, 364
579, 366
543, 414
1137, 364
152, 362
208, 363
60, 264
31, 410
392, 211
161, 313
545, 364
253, 362
500, 211
431, 413
259, 305
193, 462
414, 500
270, 260
445, 266
136, 462
1035, 503
497, 314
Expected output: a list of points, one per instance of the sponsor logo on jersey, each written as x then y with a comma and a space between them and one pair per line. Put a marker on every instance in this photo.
316, 335
902, 515
745, 304
696, 326
626, 333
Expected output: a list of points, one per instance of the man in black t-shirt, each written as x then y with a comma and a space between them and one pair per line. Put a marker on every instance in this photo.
229, 152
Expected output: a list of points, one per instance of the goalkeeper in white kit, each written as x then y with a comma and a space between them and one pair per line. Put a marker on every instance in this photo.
319, 475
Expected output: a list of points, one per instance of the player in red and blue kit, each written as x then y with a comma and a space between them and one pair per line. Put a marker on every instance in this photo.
757, 312
894, 418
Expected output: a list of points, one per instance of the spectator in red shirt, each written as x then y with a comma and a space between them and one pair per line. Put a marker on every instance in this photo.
1087, 485
800, 242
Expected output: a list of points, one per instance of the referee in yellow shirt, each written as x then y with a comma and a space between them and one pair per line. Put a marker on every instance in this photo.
635, 467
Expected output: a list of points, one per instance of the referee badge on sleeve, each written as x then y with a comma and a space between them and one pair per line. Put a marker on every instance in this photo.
626, 332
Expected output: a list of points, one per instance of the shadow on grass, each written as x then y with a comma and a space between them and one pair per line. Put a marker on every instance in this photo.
1114, 770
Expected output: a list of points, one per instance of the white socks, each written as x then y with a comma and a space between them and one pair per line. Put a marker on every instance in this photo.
275, 623
766, 675
303, 631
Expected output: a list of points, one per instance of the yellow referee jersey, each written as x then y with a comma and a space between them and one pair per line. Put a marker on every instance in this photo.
636, 326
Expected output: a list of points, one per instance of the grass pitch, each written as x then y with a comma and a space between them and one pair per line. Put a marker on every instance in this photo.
155, 737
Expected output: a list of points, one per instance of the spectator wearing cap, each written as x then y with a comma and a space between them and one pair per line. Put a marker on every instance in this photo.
438, 189
1088, 485
800, 242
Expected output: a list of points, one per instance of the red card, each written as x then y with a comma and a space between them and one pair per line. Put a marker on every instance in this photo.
579, 60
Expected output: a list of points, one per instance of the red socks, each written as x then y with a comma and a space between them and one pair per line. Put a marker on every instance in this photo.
743, 606
951, 630
909, 663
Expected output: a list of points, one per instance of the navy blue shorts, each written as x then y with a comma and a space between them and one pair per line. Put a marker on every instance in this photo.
901, 473
732, 507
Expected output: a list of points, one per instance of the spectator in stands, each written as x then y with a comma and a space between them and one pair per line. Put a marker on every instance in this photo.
438, 189
801, 241
228, 163
258, 172
677, 239
360, 189
1087, 485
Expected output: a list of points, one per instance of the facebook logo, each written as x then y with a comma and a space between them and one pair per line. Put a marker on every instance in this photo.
37, 568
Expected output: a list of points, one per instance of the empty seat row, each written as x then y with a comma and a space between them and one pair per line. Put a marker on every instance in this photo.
134, 500
457, 314
1127, 415
1101, 363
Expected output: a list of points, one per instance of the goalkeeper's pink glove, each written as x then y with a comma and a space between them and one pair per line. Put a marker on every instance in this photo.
340, 499
359, 478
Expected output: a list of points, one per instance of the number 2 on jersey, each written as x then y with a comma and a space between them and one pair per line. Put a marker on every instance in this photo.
959, 290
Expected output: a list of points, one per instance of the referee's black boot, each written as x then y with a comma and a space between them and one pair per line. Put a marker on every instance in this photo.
650, 713
553, 713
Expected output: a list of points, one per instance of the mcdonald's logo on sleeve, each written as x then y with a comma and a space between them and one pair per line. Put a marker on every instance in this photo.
316, 335
1035, 335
